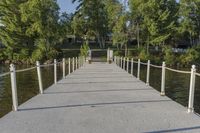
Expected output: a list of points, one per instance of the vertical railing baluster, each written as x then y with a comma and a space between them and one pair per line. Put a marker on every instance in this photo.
14, 87
138, 71
55, 71
63, 68
163, 80
192, 88
127, 65
124, 67
39, 77
121, 62
76, 63
69, 66
73, 64
132, 66
148, 72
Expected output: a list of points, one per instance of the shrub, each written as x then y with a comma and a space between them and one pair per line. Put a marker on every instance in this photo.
189, 57
143, 55
84, 49
169, 56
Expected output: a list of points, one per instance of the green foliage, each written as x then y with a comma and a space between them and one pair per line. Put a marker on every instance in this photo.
143, 55
169, 56
29, 28
190, 56
84, 49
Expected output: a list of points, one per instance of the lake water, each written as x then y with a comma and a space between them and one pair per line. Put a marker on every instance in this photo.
177, 85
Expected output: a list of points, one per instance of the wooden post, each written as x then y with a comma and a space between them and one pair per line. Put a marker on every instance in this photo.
192, 87
127, 65
132, 66
14, 87
138, 72
39, 77
55, 71
63, 68
163, 80
148, 72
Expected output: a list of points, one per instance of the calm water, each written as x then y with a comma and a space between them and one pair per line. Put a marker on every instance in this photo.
27, 85
177, 85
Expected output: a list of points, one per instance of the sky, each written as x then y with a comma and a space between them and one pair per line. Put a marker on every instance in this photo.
66, 5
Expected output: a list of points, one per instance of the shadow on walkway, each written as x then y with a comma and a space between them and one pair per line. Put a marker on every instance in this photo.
188, 129
88, 91
95, 104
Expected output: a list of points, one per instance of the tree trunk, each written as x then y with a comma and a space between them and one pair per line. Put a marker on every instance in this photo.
125, 50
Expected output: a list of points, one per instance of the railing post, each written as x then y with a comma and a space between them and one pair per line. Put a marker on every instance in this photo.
14, 87
132, 66
191, 92
124, 67
73, 64
39, 77
163, 80
138, 72
127, 64
121, 63
76, 63
55, 71
63, 68
115, 60
69, 66
148, 72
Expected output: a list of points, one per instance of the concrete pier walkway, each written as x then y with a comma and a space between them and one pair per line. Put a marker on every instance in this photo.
100, 98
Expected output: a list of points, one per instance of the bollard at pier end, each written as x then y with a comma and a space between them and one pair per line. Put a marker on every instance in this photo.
14, 87
39, 77
132, 66
63, 68
138, 71
148, 72
162, 93
55, 71
191, 92
127, 65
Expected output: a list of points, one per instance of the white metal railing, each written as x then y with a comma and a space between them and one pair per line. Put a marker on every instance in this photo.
76, 63
120, 61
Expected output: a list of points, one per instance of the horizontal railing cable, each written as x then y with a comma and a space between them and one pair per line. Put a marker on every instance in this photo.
197, 74
178, 71
24, 70
155, 66
4, 74
46, 65
143, 63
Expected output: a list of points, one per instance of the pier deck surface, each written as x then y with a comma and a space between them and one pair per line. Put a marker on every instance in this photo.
100, 98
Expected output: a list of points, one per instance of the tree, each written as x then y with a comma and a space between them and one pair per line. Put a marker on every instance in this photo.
12, 29
93, 17
42, 18
189, 19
